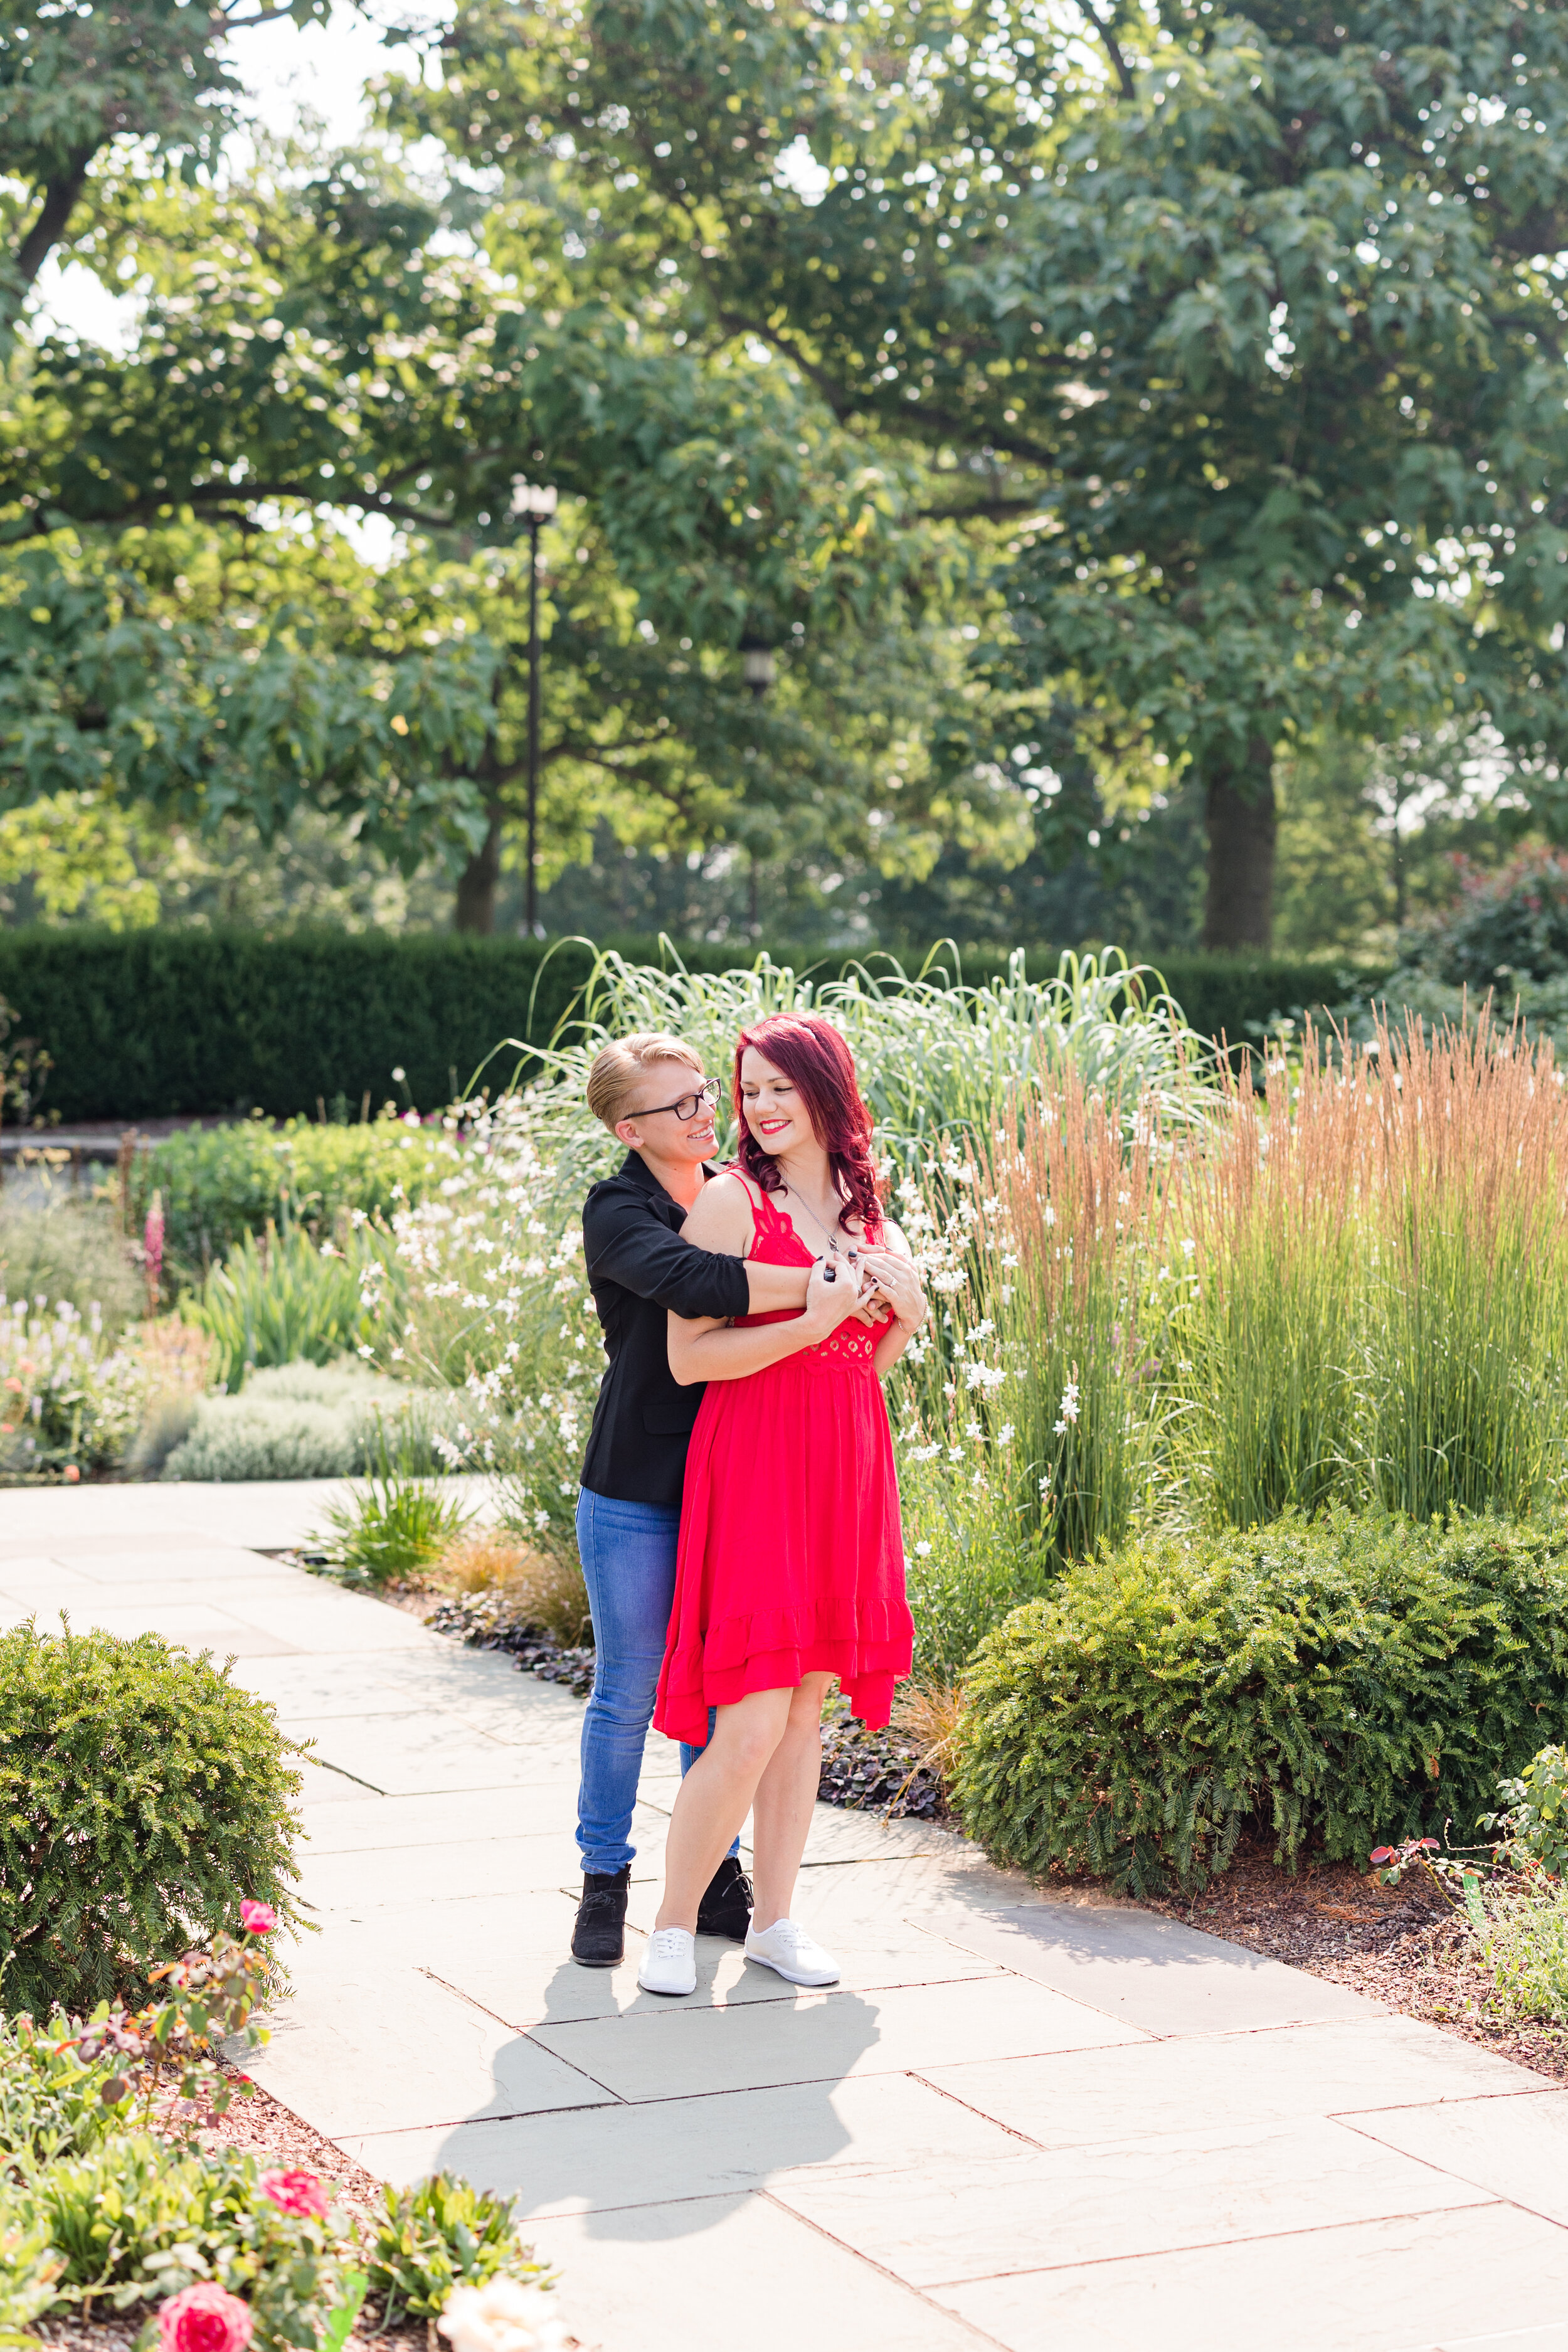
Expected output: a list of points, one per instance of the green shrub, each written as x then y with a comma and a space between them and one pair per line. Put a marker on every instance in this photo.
1504, 926
437, 2235
142, 1793
30, 2268
243, 1437
286, 1300
138, 2220
51, 2102
1346, 1680
1534, 1830
309, 1421
146, 1023
72, 1252
218, 1184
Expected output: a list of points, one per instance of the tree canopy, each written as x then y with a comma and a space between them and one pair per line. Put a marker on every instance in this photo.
1082, 404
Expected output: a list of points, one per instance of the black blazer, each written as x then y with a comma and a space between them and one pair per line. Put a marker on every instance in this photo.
638, 1267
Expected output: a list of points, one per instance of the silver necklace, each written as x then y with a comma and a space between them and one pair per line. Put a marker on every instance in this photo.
852, 1255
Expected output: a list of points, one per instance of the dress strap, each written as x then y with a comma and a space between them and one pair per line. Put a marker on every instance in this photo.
762, 1208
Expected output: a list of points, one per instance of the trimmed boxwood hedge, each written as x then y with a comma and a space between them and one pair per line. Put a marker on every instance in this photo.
1348, 1681
146, 1024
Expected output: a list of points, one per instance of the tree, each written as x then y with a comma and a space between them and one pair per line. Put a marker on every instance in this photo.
81, 86
305, 348
1247, 325
181, 672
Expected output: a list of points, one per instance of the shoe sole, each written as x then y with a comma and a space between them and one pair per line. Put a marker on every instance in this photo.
616, 1963
794, 1975
669, 1992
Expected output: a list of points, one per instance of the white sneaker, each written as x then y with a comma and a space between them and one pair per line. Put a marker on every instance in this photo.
793, 1953
670, 1963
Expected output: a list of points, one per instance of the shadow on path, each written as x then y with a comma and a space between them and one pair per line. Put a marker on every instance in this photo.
706, 2102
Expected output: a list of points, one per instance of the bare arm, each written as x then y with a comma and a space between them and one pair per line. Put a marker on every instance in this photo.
773, 1287
705, 1348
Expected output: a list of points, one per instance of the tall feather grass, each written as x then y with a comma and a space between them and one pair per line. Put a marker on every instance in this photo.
1468, 1291
936, 1056
1378, 1308
1266, 1344
1072, 1233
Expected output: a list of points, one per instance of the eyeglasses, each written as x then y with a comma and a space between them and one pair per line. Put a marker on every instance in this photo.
686, 1108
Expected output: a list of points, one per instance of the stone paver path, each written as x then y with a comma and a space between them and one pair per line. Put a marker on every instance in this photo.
1018, 2122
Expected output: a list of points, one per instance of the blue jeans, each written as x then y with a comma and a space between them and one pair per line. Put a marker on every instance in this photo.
629, 1565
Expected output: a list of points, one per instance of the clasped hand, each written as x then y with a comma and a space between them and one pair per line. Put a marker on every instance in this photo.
880, 1279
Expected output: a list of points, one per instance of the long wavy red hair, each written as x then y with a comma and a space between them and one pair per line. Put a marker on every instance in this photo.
818, 1064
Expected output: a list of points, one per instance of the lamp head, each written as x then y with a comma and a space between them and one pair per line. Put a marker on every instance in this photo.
535, 500
758, 666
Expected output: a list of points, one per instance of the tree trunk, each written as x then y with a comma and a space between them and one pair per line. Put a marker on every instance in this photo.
1242, 819
476, 883
60, 198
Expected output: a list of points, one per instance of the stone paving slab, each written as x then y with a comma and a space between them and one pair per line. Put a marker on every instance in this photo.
823, 2036
1150, 1970
612, 2160
1117, 2201
1020, 2121
1513, 2147
259, 1515
1423, 2282
374, 2049
1382, 2062
795, 2289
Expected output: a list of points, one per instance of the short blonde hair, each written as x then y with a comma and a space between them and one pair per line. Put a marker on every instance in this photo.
618, 1066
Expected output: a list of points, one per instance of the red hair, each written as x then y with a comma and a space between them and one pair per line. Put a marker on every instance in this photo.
817, 1063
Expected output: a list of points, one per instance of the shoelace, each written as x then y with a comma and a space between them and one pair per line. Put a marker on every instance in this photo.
666, 1943
601, 1898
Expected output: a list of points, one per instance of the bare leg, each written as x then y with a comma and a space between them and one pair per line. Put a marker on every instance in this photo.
715, 1798
781, 1810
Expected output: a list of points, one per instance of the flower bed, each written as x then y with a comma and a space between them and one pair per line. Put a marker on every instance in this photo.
112, 2202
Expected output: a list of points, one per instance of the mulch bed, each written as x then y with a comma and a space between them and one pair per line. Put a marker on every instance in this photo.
877, 1772
483, 1624
1403, 1946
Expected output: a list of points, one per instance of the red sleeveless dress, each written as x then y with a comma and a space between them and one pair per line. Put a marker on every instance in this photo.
791, 1555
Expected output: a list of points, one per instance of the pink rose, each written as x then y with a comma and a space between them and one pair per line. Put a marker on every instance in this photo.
297, 2192
205, 2318
257, 1919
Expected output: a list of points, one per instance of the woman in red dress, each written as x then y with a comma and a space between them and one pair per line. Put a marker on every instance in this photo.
791, 1561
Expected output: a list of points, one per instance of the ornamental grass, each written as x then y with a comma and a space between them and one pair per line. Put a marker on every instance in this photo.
1380, 1291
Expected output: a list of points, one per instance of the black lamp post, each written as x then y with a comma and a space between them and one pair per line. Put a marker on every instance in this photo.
759, 669
535, 503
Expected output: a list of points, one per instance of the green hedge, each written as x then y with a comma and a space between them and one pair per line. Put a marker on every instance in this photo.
1352, 1680
142, 1024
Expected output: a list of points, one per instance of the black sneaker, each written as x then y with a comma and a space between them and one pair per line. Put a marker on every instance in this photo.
599, 1938
726, 1908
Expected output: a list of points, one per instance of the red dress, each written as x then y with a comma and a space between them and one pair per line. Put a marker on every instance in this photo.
791, 1555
